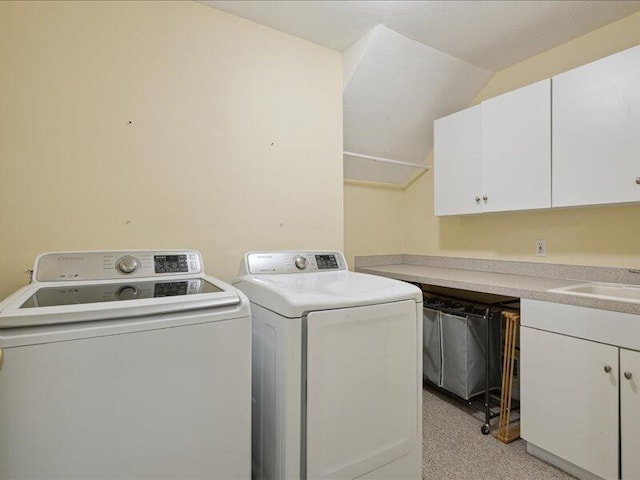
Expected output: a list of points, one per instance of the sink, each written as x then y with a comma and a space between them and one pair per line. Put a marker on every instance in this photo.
605, 291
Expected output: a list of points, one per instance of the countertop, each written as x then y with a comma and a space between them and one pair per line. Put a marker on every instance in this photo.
512, 279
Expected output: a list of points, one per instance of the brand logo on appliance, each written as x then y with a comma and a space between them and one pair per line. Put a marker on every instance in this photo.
69, 258
264, 256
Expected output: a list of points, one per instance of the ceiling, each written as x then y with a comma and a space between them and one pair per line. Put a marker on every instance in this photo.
488, 34
407, 63
394, 89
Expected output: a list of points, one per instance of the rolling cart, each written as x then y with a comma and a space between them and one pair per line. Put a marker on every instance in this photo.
462, 349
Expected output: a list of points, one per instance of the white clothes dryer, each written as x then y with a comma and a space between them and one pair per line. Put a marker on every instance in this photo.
125, 365
337, 369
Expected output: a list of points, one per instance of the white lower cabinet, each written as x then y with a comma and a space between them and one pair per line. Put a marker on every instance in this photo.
630, 413
579, 396
569, 403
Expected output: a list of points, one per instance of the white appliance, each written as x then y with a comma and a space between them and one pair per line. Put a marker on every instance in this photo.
337, 369
125, 365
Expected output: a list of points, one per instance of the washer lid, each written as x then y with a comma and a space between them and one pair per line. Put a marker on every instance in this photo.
293, 295
65, 302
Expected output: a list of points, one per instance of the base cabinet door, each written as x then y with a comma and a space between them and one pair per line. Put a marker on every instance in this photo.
630, 413
569, 399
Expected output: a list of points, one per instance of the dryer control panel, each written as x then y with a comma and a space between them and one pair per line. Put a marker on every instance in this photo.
111, 265
294, 262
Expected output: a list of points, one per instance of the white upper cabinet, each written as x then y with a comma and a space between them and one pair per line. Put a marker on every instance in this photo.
596, 132
496, 156
457, 168
516, 149
593, 117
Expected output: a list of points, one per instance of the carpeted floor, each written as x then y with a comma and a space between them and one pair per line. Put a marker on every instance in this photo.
455, 449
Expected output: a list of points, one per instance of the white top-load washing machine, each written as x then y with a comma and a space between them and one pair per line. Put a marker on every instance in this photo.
125, 365
337, 369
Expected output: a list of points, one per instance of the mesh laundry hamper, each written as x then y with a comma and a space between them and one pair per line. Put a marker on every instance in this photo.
432, 358
456, 349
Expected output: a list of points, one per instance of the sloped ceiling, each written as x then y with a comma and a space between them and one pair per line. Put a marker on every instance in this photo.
492, 34
395, 88
407, 63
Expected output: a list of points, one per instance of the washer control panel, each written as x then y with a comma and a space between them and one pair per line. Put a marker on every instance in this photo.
294, 262
171, 263
109, 265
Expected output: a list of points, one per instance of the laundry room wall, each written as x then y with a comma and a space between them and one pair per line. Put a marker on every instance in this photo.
131, 125
600, 236
373, 220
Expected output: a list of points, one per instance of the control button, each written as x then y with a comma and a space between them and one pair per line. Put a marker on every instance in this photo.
128, 264
194, 265
300, 262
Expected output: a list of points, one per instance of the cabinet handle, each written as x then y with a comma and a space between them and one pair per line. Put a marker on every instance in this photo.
1, 358
637, 180
477, 199
485, 198
607, 368
628, 375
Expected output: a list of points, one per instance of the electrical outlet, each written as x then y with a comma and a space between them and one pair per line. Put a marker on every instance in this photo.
541, 248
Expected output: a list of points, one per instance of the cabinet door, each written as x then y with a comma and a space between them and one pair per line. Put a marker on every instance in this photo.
516, 149
569, 404
630, 413
457, 163
596, 125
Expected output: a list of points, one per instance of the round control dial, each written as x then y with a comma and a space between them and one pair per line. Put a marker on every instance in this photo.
128, 264
128, 292
300, 262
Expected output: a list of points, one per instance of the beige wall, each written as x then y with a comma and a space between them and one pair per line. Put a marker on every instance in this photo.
373, 220
605, 236
163, 125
